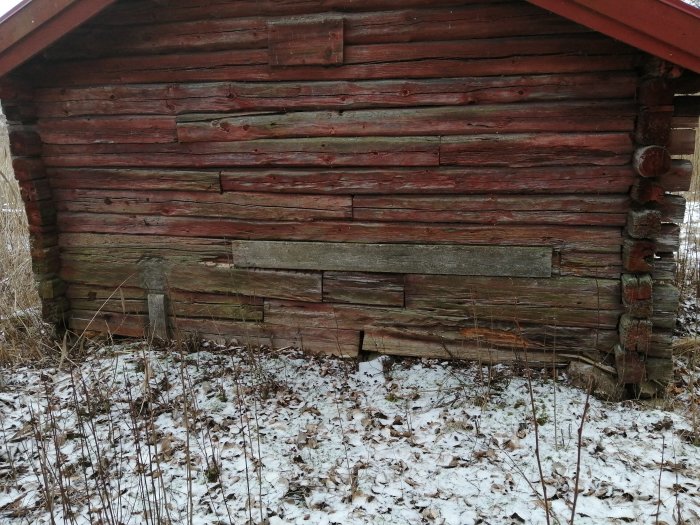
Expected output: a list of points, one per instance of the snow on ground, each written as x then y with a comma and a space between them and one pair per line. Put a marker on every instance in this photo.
282, 438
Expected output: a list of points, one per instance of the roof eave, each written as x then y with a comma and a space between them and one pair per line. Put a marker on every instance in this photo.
667, 29
33, 25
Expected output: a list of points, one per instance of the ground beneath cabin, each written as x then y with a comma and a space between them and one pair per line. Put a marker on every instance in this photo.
226, 435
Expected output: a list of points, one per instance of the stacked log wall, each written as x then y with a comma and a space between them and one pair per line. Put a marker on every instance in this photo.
171, 131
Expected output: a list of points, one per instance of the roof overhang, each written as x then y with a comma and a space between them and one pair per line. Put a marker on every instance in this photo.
668, 29
33, 25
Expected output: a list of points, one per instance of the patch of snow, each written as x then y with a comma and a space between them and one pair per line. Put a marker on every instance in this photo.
283, 438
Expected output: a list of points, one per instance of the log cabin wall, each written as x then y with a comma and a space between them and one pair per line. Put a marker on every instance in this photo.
434, 178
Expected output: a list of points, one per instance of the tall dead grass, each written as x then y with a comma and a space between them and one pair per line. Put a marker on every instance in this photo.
22, 334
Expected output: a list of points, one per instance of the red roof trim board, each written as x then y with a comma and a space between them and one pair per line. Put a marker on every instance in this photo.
669, 29
34, 25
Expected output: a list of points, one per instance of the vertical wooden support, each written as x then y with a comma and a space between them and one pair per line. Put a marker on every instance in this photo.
154, 282
25, 147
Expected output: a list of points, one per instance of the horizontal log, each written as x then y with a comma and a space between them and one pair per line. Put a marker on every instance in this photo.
541, 149
665, 267
668, 239
506, 150
134, 179
108, 130
571, 237
672, 208
516, 261
344, 343
189, 276
678, 179
682, 142
180, 10
363, 288
230, 205
684, 122
451, 345
461, 293
251, 66
327, 151
473, 180
341, 316
128, 300
189, 250
490, 209
651, 161
445, 120
637, 294
660, 344
174, 99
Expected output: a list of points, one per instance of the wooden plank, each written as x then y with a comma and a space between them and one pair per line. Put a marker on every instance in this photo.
445, 180
157, 316
303, 41
326, 151
108, 130
445, 120
232, 205
666, 299
363, 288
589, 264
541, 149
365, 317
134, 179
682, 142
458, 292
583, 238
394, 258
175, 99
493, 209
638, 255
654, 126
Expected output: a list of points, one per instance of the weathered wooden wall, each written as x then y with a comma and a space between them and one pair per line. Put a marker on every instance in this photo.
169, 130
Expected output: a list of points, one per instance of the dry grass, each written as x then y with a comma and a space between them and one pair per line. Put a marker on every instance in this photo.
22, 334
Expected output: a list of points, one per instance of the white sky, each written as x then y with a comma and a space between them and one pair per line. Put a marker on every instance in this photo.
5, 5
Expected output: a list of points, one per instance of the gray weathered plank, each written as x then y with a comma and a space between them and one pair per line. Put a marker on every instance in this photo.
510, 261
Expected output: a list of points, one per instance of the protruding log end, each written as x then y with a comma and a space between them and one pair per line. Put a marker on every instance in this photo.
644, 224
651, 161
630, 367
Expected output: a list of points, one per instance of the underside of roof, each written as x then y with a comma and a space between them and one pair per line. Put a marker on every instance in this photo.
33, 25
668, 29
